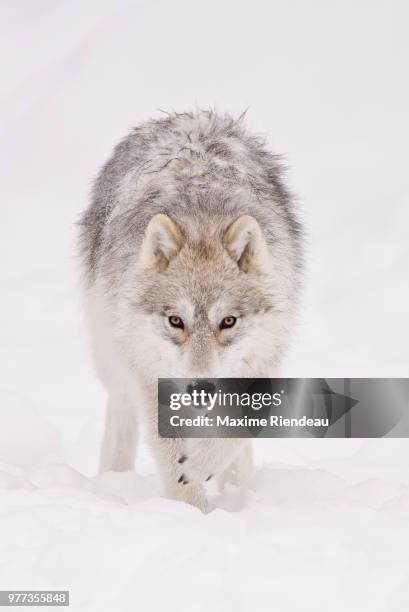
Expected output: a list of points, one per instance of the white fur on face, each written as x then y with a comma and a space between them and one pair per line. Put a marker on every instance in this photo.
248, 356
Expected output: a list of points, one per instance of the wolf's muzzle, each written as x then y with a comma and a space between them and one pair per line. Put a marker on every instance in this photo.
201, 385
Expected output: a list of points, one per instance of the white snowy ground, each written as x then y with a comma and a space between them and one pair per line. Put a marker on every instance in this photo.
324, 524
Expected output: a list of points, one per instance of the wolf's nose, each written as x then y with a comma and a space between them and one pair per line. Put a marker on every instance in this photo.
201, 385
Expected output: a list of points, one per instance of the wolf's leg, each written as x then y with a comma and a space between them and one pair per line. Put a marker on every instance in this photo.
239, 470
119, 443
170, 458
170, 455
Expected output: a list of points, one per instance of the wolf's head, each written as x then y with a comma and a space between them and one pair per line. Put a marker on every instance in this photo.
209, 303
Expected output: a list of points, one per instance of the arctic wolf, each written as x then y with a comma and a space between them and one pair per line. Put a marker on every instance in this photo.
191, 256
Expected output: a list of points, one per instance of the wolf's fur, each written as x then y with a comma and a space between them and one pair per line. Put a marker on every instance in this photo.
188, 218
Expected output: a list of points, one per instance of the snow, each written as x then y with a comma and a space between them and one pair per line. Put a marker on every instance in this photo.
323, 524
296, 539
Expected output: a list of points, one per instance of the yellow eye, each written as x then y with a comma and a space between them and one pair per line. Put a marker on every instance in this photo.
228, 322
175, 321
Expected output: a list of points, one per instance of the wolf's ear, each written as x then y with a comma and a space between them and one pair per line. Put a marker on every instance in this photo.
246, 244
162, 241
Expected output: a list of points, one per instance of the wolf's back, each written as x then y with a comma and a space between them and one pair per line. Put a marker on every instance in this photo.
203, 169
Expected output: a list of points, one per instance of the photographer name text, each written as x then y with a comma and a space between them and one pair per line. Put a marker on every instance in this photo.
246, 421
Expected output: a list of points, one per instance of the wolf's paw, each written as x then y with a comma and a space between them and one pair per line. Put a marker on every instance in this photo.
183, 479
191, 493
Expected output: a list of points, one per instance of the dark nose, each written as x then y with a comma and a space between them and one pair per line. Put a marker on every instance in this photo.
201, 385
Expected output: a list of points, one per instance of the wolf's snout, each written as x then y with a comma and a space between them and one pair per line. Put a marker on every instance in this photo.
201, 385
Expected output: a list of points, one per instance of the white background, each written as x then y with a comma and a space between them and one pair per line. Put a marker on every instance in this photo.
323, 523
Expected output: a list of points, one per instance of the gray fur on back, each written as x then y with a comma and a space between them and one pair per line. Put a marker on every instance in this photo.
203, 169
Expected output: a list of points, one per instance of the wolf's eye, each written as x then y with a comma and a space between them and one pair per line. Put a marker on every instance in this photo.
176, 322
228, 322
